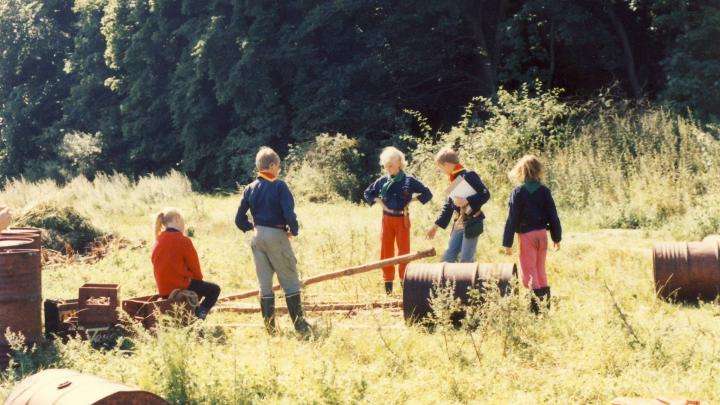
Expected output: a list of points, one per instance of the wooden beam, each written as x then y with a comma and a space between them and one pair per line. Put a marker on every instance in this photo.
324, 307
342, 273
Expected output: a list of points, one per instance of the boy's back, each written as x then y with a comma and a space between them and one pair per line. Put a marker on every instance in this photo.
271, 204
273, 209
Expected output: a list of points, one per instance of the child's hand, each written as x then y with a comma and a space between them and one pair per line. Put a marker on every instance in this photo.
380, 202
508, 251
430, 235
557, 247
460, 202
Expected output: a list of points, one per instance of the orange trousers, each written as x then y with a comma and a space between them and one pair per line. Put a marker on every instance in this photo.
394, 230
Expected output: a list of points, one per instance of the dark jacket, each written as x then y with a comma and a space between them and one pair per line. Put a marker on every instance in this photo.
475, 201
531, 208
399, 194
270, 203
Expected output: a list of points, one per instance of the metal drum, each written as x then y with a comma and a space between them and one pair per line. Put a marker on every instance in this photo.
20, 295
420, 278
68, 387
10, 243
25, 233
687, 271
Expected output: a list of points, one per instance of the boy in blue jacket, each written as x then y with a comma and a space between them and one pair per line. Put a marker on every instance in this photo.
467, 211
394, 192
272, 206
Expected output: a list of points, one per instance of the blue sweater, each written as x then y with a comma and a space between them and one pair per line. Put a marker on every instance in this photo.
475, 201
270, 203
399, 194
531, 208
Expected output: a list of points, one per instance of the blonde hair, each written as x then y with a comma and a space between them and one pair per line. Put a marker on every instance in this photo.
390, 153
528, 168
265, 157
447, 155
164, 217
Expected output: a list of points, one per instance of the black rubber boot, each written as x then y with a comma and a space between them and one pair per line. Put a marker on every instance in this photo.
201, 312
535, 301
546, 297
388, 287
267, 307
294, 304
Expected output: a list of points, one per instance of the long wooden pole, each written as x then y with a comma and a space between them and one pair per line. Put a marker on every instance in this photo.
325, 307
342, 273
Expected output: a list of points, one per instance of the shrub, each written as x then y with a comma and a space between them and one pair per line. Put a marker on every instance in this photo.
325, 169
81, 151
62, 225
616, 165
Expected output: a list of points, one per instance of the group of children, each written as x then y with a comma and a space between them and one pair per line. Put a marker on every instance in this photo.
268, 199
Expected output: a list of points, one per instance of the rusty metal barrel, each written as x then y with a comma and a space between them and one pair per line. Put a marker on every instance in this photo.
13, 243
20, 296
687, 272
421, 278
25, 233
68, 387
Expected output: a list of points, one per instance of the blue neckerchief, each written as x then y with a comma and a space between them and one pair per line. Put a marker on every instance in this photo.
171, 230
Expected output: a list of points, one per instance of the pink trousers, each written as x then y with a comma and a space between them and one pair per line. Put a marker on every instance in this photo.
533, 251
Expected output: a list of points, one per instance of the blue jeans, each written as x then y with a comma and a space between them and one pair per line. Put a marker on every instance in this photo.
459, 245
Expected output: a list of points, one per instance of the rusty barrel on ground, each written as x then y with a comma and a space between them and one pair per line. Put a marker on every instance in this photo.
421, 278
68, 387
11, 243
24, 233
20, 295
688, 271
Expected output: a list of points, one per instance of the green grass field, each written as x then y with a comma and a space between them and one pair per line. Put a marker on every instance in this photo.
582, 352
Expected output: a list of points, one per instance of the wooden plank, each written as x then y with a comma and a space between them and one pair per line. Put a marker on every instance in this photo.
324, 307
342, 273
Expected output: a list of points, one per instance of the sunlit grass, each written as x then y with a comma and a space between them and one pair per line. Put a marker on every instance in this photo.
581, 353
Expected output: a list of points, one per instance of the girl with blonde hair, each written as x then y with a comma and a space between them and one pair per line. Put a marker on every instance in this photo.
531, 214
394, 192
175, 262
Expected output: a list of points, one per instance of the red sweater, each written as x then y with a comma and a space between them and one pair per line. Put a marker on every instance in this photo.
175, 262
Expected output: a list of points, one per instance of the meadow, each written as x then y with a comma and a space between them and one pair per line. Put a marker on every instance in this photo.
607, 334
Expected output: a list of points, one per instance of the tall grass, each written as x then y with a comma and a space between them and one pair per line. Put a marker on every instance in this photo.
605, 336
612, 165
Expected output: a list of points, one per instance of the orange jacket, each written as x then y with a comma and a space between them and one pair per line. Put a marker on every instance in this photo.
175, 262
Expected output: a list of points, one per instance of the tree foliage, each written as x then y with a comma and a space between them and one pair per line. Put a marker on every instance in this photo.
198, 86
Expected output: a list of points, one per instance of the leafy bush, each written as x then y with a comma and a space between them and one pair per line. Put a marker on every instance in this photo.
615, 165
494, 132
81, 151
325, 169
62, 226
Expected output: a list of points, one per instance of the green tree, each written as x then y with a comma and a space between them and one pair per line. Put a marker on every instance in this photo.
692, 62
142, 52
92, 107
35, 37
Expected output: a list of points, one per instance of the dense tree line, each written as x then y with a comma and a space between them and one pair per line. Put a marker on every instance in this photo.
148, 85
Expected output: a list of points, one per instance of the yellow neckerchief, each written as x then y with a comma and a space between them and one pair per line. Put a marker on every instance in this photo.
458, 168
267, 176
